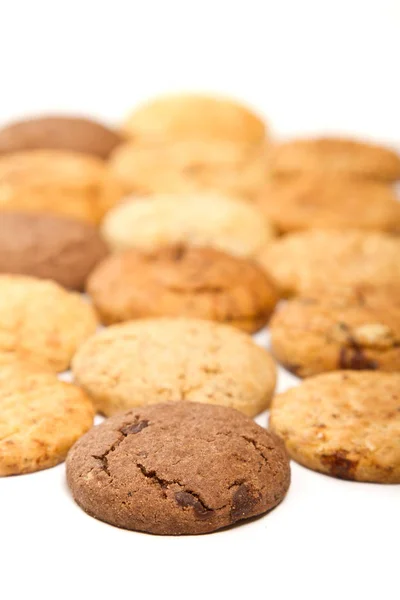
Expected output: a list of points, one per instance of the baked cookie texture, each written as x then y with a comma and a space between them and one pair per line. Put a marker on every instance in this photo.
152, 361
59, 132
217, 221
345, 424
57, 181
191, 166
303, 262
182, 281
358, 328
191, 116
42, 322
40, 418
314, 201
47, 246
338, 156
175, 469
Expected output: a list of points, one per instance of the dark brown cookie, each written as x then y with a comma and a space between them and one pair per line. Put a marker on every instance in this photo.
178, 468
59, 133
49, 247
182, 281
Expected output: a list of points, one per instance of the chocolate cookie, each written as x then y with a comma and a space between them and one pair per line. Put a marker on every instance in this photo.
337, 156
59, 133
349, 329
175, 469
345, 424
50, 247
182, 281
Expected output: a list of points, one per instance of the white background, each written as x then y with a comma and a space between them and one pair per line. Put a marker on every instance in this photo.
309, 66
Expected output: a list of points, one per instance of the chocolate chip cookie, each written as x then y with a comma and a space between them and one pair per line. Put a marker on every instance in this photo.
176, 469
345, 424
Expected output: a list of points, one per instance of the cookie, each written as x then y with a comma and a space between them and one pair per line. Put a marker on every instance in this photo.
322, 201
337, 156
196, 220
41, 322
49, 247
40, 418
59, 133
354, 329
190, 166
177, 468
191, 116
160, 360
180, 281
305, 261
56, 181
345, 424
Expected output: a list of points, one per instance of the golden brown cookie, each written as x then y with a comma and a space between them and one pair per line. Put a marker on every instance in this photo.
348, 329
309, 260
59, 133
178, 468
181, 281
57, 181
314, 201
191, 116
221, 222
190, 166
50, 247
345, 424
42, 322
337, 156
40, 418
160, 360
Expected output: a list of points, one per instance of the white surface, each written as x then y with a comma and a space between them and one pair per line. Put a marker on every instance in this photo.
310, 66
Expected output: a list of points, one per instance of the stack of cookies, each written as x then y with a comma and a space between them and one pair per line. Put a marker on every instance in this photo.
142, 259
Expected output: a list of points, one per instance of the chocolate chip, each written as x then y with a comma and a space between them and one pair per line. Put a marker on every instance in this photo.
135, 428
187, 499
242, 503
339, 465
354, 358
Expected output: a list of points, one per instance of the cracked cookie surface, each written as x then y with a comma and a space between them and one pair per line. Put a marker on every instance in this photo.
177, 468
354, 329
182, 281
345, 424
174, 359
40, 418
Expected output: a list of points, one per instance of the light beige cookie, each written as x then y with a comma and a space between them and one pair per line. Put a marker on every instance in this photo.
309, 260
179, 281
345, 424
198, 220
190, 166
42, 322
40, 418
191, 116
160, 360
315, 201
338, 156
358, 328
57, 181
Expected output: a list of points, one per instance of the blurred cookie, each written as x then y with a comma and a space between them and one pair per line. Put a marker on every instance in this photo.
166, 359
193, 116
305, 261
50, 247
197, 220
190, 166
40, 418
313, 201
345, 424
337, 156
178, 469
56, 181
42, 322
180, 281
349, 329
59, 133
